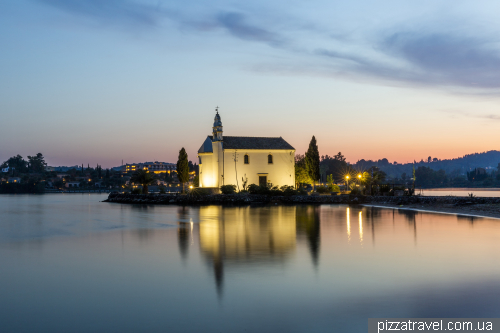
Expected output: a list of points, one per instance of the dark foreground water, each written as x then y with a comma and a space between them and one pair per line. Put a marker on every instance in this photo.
70, 263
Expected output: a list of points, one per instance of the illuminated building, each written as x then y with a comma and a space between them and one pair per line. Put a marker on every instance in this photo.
155, 167
230, 160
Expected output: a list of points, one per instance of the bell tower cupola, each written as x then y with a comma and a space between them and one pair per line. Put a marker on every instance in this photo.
217, 129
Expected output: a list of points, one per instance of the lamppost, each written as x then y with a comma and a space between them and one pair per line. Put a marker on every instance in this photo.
347, 180
359, 179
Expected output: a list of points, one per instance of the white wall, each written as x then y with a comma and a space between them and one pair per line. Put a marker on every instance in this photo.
208, 176
280, 172
214, 165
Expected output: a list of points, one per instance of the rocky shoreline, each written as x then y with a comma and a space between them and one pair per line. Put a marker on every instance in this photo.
481, 206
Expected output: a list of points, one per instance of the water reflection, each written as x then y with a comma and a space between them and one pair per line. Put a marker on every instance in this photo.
232, 236
348, 217
360, 218
279, 269
183, 238
308, 225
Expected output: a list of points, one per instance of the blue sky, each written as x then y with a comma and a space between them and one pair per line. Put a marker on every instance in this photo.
88, 81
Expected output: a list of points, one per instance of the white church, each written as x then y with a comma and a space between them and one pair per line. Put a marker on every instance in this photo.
229, 160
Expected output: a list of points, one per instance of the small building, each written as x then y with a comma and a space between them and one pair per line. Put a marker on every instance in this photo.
13, 180
235, 160
72, 184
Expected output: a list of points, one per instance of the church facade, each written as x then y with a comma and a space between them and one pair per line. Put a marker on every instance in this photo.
232, 160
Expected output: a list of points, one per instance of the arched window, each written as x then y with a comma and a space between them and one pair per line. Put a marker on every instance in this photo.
247, 160
270, 159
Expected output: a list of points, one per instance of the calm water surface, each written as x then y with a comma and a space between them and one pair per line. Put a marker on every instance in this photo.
70, 263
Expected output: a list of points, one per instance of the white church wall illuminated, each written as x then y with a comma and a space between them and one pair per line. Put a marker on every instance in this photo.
226, 160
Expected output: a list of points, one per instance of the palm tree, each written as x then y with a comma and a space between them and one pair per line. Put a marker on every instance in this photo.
144, 178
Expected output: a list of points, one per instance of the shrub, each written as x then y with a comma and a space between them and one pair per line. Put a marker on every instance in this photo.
356, 191
334, 188
136, 191
302, 191
322, 189
288, 190
256, 189
274, 191
228, 189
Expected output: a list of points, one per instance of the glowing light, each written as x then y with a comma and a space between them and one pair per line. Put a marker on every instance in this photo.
190, 186
359, 176
360, 216
346, 177
348, 224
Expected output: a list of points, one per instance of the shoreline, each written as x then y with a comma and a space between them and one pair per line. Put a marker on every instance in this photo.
460, 211
465, 206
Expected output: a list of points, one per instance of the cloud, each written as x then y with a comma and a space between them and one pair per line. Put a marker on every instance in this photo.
235, 23
111, 11
448, 58
410, 57
454, 113
429, 59
135, 13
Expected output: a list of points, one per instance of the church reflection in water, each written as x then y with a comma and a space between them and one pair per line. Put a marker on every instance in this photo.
250, 236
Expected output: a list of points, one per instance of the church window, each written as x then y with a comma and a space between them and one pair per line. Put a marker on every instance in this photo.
246, 159
270, 159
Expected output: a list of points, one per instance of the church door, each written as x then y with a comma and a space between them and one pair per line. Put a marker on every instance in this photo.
263, 181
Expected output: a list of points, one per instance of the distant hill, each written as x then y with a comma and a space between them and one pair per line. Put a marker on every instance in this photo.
455, 166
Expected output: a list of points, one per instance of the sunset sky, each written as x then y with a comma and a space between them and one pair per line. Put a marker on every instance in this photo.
92, 81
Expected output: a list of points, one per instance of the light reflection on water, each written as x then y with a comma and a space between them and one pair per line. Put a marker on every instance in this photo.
70, 263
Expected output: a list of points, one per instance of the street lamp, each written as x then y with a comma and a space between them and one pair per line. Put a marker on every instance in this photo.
347, 180
359, 179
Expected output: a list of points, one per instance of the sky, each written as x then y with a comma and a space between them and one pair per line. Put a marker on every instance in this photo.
98, 82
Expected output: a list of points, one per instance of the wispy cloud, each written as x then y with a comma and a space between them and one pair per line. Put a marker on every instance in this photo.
415, 57
236, 24
448, 58
494, 117
112, 11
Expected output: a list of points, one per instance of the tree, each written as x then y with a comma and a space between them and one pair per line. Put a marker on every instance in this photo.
37, 163
426, 177
374, 176
144, 178
17, 163
99, 171
183, 168
338, 157
312, 161
301, 175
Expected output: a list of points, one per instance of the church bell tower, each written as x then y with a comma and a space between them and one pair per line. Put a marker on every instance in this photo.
217, 129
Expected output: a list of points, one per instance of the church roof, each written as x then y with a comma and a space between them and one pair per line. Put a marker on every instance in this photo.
255, 142
247, 142
206, 147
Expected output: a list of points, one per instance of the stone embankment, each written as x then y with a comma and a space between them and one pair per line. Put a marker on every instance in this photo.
254, 199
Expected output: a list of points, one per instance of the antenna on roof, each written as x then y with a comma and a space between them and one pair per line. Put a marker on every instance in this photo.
217, 109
